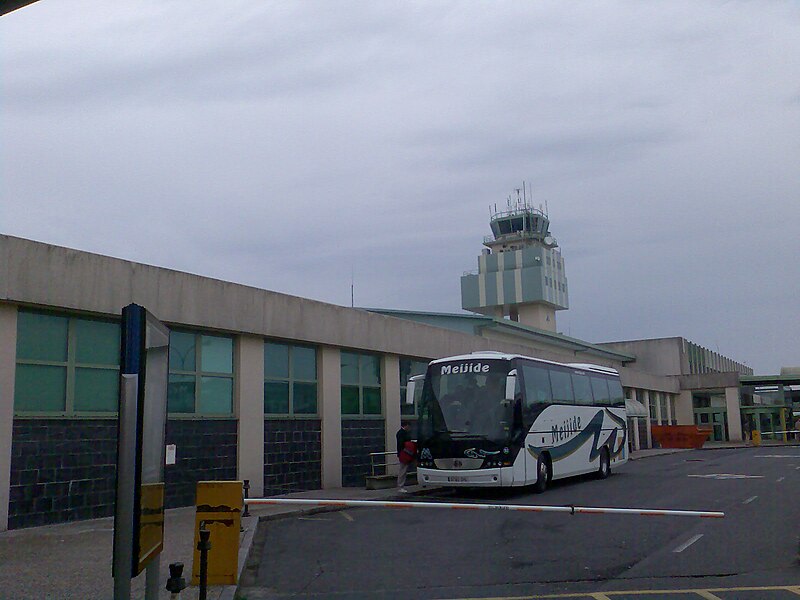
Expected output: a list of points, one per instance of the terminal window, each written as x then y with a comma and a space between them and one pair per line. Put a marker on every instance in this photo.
290, 379
200, 374
66, 364
361, 384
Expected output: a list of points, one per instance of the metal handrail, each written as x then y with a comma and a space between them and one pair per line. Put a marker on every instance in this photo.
373, 464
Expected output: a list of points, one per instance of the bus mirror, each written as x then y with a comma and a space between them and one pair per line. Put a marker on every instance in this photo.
410, 392
414, 388
511, 385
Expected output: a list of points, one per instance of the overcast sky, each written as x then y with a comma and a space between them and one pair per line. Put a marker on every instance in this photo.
292, 145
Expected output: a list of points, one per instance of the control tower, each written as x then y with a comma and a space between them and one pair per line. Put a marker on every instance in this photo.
520, 272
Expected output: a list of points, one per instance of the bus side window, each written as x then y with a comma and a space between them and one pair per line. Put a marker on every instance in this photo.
537, 393
583, 389
617, 396
600, 391
537, 386
562, 387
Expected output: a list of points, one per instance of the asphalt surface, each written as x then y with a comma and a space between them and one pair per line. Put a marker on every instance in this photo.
423, 553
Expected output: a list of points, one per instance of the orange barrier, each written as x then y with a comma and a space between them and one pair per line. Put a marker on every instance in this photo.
680, 436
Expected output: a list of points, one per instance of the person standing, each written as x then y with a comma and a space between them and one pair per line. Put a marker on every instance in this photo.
406, 454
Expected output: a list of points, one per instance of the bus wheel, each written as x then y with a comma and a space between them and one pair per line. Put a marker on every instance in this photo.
605, 464
542, 472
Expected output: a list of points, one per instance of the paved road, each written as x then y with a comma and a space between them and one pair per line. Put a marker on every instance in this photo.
384, 553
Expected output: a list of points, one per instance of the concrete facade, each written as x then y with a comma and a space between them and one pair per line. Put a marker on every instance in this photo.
249, 444
8, 347
330, 411
249, 408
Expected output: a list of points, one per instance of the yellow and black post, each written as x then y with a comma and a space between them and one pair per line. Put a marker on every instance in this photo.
219, 509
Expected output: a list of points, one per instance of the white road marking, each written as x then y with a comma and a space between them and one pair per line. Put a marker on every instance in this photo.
707, 595
346, 516
688, 543
750, 499
727, 476
776, 456
781, 479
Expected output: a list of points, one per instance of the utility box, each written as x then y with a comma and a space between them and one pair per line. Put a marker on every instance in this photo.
219, 506
756, 438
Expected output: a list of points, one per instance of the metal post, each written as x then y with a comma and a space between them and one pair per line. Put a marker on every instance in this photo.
126, 466
176, 582
204, 546
152, 574
246, 487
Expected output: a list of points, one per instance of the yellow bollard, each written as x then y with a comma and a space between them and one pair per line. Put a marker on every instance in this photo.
756, 438
219, 505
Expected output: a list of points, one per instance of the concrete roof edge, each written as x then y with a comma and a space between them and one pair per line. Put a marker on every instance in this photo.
392, 311
562, 339
134, 264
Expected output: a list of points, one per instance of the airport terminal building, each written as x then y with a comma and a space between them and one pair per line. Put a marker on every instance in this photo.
290, 393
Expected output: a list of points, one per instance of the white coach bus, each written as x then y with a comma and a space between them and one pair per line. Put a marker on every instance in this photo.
489, 419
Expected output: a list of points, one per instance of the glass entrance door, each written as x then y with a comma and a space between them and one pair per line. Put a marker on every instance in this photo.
720, 426
766, 420
766, 425
714, 419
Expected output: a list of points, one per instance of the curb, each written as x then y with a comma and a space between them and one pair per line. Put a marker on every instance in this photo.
664, 452
250, 525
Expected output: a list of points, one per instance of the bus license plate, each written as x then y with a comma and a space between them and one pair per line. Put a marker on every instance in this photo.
457, 479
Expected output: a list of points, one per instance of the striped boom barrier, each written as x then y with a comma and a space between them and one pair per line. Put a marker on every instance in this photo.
573, 510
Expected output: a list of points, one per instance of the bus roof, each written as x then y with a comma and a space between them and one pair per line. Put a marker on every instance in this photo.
494, 355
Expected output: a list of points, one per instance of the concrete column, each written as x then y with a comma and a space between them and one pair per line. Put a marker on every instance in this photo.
637, 443
390, 378
734, 414
330, 412
8, 354
659, 405
667, 398
646, 403
249, 401
684, 408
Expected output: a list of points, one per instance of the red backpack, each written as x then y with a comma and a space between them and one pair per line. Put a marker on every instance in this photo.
408, 453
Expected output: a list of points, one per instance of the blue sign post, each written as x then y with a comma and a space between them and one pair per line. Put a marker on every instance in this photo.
139, 509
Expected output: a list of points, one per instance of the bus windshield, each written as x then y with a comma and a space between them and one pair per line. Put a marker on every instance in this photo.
466, 400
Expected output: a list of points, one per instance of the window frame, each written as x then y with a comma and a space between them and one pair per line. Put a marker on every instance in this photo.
199, 374
71, 364
361, 386
290, 380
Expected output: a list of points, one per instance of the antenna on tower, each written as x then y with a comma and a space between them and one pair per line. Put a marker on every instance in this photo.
524, 193
546, 210
352, 288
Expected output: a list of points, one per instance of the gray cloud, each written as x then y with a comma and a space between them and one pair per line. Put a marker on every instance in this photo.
294, 145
